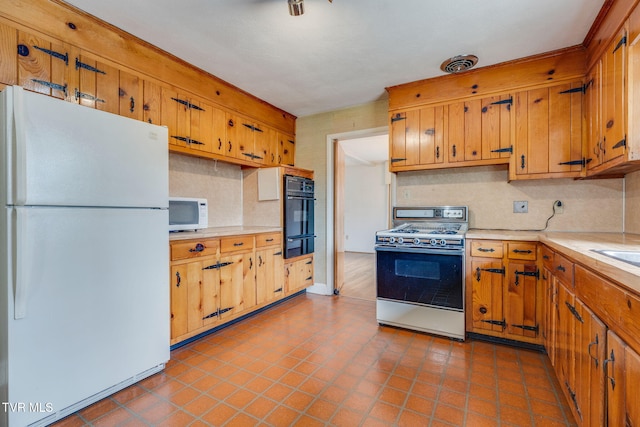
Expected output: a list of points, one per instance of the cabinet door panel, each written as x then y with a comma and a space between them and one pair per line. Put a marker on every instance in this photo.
210, 300
521, 304
200, 126
615, 380
496, 126
130, 95
456, 132
613, 98
487, 294
9, 63
231, 285
107, 89
593, 114
86, 94
169, 114
473, 122
179, 292
34, 65
632, 385
590, 354
432, 135
537, 153
565, 127
194, 295
152, 97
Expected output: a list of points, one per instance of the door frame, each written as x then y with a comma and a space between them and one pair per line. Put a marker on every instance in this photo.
331, 185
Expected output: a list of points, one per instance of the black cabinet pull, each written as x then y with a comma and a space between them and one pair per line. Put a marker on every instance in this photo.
522, 251
605, 366
486, 250
178, 279
238, 244
132, 105
198, 248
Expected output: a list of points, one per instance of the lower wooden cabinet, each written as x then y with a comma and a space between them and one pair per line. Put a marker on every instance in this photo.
217, 280
506, 294
298, 274
269, 268
590, 336
622, 373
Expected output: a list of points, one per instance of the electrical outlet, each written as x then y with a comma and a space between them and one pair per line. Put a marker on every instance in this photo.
558, 207
520, 206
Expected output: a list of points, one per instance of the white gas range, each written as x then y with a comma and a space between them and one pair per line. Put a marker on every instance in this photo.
420, 270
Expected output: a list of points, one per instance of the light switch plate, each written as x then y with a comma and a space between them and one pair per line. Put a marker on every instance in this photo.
520, 206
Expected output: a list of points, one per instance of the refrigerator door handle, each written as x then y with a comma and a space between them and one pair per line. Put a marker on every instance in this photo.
21, 272
20, 147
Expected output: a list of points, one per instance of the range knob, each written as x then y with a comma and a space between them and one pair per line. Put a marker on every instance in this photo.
416, 241
400, 240
443, 242
392, 239
433, 242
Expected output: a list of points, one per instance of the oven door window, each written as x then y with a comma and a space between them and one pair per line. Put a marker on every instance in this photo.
298, 216
421, 278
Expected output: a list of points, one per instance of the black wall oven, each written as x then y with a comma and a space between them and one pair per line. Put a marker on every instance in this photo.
298, 216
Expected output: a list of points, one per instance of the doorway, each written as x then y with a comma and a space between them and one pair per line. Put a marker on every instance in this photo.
361, 207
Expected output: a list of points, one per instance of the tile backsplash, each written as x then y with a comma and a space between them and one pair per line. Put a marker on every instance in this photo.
589, 205
218, 182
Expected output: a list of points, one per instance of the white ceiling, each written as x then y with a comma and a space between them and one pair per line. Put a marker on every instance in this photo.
343, 53
366, 151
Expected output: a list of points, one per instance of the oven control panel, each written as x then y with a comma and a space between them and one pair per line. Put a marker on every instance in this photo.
450, 213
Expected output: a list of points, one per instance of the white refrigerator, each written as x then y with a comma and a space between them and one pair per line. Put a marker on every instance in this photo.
84, 255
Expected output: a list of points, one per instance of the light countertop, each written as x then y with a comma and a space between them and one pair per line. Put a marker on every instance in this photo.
579, 246
213, 232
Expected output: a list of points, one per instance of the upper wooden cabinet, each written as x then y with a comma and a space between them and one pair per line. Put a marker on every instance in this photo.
473, 132
494, 115
548, 132
117, 73
286, 148
613, 101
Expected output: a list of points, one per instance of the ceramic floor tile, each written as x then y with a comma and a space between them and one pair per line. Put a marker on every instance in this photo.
324, 361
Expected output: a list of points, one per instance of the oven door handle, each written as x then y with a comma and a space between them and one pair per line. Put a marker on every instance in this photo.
427, 251
301, 237
300, 198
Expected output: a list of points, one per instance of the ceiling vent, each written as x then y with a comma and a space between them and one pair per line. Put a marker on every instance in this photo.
459, 63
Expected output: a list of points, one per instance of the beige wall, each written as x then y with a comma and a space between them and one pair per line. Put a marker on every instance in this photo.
311, 153
632, 203
218, 182
589, 205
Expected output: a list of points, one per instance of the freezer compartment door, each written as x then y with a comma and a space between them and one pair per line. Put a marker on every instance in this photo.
95, 293
63, 154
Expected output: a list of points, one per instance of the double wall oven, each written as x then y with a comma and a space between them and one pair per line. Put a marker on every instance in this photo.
420, 270
298, 216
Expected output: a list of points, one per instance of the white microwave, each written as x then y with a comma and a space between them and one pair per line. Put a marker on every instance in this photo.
188, 213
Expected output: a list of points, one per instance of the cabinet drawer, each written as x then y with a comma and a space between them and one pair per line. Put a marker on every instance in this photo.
236, 243
270, 239
547, 257
486, 248
521, 250
194, 248
563, 269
